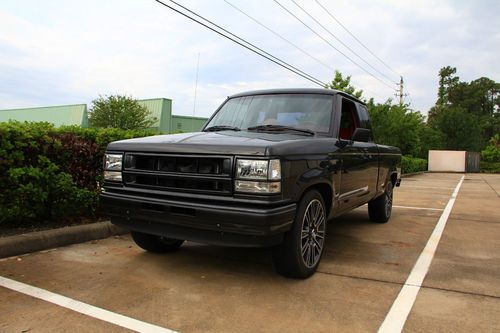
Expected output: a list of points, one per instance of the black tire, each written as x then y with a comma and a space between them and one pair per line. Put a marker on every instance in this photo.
156, 244
380, 209
300, 253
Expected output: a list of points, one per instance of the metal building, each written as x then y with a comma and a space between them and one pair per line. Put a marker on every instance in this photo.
58, 115
160, 108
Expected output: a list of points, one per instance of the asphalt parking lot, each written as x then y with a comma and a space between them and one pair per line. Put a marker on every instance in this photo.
204, 288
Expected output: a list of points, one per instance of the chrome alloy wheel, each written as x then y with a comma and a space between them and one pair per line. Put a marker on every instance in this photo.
313, 233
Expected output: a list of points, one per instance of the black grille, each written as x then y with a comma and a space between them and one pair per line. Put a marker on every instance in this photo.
179, 172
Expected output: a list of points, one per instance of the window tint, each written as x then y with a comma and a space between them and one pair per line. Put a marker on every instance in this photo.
364, 118
348, 119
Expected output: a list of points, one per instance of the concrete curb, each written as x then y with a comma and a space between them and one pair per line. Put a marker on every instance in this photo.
48, 239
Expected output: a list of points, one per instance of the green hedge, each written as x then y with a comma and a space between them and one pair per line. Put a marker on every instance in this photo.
489, 167
412, 164
49, 173
490, 156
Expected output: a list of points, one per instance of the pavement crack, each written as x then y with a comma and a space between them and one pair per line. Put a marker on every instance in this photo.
498, 194
461, 292
467, 219
360, 278
479, 221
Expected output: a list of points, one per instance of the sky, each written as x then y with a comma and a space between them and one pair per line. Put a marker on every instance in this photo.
70, 52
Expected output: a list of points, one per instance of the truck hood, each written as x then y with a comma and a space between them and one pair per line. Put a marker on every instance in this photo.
224, 142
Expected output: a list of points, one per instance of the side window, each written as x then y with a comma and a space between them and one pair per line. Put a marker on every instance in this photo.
348, 120
364, 118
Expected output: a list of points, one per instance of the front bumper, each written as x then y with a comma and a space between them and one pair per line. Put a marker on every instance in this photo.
220, 224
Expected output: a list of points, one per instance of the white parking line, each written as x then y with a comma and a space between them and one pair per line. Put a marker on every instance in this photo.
83, 308
411, 207
422, 186
400, 309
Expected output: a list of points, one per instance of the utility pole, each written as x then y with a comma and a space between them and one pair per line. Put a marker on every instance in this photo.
400, 92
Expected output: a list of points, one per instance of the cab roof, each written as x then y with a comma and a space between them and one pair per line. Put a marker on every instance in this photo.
296, 91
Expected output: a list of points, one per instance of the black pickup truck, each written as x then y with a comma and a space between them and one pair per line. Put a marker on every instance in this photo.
269, 168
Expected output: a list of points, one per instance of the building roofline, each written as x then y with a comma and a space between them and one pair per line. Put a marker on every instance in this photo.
151, 99
75, 104
44, 107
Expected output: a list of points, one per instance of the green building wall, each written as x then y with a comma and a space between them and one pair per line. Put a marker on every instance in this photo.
186, 124
58, 115
160, 108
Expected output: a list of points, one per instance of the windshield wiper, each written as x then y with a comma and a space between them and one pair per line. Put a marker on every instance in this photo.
280, 128
221, 128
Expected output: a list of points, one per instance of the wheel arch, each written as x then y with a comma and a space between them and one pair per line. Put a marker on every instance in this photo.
326, 192
393, 177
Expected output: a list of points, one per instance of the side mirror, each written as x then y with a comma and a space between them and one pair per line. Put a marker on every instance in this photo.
361, 135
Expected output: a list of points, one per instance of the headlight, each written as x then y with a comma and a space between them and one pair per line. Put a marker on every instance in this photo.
113, 167
257, 187
265, 176
113, 162
258, 169
115, 176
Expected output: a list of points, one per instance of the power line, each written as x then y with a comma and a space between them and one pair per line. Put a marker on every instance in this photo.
353, 36
332, 46
293, 44
408, 94
242, 42
373, 93
411, 102
278, 35
341, 42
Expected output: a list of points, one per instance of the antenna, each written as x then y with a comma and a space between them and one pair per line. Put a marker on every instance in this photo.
195, 90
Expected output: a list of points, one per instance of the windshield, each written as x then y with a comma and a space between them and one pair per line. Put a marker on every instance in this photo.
302, 111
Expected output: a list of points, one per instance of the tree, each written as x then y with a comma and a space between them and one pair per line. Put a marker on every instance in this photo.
461, 129
119, 111
477, 101
492, 152
447, 80
344, 84
480, 97
397, 125
430, 139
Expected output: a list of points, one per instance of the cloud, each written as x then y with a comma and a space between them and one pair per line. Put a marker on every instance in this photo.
70, 52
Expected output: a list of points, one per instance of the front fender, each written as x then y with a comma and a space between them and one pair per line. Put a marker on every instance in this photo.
305, 174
